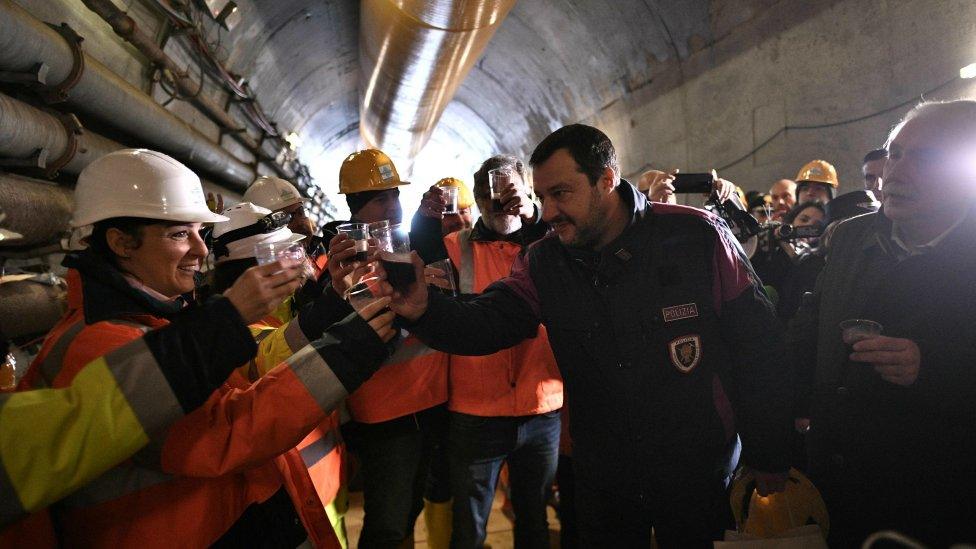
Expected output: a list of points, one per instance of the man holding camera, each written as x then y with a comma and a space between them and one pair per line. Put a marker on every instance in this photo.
658, 326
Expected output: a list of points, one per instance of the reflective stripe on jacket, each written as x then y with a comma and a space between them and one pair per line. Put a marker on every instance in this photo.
322, 452
518, 381
413, 379
204, 471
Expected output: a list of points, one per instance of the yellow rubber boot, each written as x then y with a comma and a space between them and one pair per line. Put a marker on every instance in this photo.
438, 517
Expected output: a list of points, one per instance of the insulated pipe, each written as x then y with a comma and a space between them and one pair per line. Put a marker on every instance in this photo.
126, 27
29, 308
38, 210
413, 55
25, 129
102, 94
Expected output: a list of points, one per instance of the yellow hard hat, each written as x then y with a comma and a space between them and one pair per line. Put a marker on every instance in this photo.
766, 516
465, 196
818, 171
368, 170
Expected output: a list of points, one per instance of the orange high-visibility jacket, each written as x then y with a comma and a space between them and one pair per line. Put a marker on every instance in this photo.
195, 482
323, 451
412, 380
518, 381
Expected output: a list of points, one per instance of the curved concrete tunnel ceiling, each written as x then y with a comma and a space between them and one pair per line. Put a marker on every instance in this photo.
551, 62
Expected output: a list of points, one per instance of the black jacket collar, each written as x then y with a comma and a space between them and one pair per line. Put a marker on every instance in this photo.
620, 250
107, 295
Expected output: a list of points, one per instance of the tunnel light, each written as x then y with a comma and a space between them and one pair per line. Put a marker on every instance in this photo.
969, 71
294, 141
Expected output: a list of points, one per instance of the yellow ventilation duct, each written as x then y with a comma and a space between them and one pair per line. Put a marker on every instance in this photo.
414, 54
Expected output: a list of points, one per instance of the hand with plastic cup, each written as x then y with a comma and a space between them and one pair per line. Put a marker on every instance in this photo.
499, 180
269, 252
359, 233
434, 202
510, 193
897, 360
450, 200
394, 256
410, 301
367, 299
858, 329
260, 289
440, 275
342, 270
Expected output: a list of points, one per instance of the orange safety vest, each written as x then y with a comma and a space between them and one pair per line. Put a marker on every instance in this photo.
211, 465
412, 380
518, 381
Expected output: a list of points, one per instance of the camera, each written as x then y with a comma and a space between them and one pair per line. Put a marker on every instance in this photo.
790, 232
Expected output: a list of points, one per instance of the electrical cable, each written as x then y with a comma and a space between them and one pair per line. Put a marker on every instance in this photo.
834, 124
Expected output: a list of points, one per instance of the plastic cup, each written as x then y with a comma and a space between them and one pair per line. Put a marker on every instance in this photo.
393, 239
269, 252
859, 329
498, 179
445, 282
363, 294
359, 232
450, 199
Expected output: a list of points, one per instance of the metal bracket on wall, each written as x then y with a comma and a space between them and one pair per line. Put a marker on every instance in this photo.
59, 92
72, 130
39, 161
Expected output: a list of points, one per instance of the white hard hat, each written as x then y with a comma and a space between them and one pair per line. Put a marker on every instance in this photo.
273, 193
139, 183
247, 226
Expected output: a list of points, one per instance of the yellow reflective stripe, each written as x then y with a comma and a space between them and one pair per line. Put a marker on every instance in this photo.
273, 347
54, 441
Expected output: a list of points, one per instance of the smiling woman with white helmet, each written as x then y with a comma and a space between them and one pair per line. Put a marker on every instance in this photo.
142, 212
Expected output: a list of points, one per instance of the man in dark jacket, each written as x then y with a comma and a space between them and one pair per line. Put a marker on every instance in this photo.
893, 424
666, 343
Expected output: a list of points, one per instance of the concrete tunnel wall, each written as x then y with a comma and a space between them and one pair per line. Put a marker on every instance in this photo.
853, 59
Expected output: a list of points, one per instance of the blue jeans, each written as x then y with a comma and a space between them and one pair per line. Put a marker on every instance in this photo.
477, 447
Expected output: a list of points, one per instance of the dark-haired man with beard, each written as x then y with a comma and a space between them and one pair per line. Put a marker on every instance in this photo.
659, 328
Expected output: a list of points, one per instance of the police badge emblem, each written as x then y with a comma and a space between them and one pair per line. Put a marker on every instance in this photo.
685, 352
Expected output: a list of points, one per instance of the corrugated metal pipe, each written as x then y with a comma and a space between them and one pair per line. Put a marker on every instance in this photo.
126, 27
413, 55
102, 94
27, 132
38, 210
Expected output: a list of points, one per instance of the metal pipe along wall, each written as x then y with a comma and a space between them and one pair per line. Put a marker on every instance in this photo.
25, 129
38, 210
102, 94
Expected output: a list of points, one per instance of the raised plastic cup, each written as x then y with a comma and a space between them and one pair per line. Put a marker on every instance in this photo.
444, 280
363, 294
450, 200
359, 232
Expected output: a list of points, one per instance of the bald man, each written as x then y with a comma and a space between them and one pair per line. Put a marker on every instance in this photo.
783, 195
